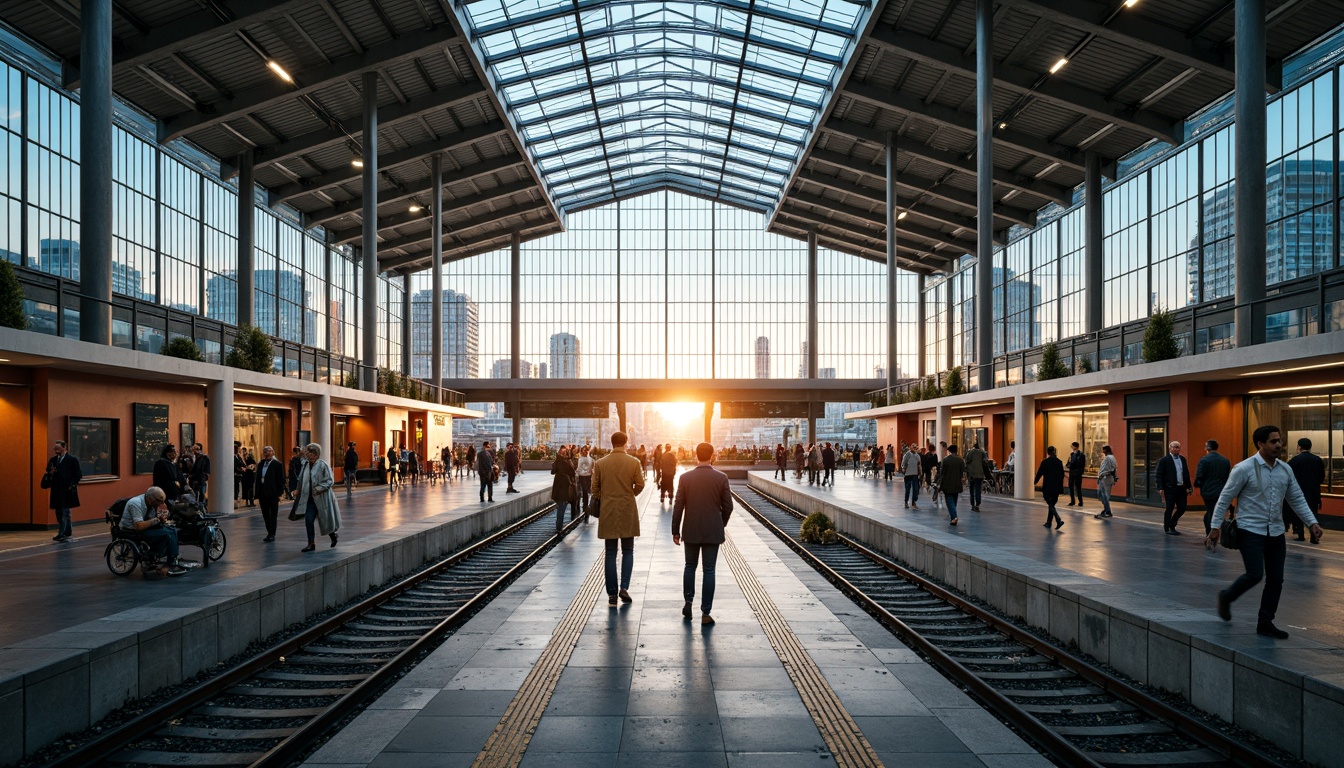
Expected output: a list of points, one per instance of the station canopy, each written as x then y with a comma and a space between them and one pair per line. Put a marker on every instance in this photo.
541, 108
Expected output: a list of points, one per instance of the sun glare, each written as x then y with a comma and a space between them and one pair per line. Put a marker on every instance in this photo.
680, 414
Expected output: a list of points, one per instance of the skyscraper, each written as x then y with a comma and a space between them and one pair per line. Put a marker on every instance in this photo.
565, 356
802, 364
461, 334
762, 357
501, 368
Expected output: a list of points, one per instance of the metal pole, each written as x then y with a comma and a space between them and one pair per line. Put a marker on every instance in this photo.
405, 324
893, 349
984, 190
516, 308
1249, 153
436, 296
1094, 228
219, 440
247, 240
369, 241
922, 336
95, 191
811, 305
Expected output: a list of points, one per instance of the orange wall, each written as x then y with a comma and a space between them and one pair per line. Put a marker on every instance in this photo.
16, 422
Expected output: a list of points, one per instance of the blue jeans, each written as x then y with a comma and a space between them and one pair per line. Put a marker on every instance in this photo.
163, 540
911, 489
977, 488
1104, 493
695, 553
63, 527
1263, 558
309, 518
627, 563
560, 507
487, 487
951, 499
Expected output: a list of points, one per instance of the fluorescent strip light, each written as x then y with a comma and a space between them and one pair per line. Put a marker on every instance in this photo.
414, 208
976, 405
1295, 389
1078, 407
1074, 394
1131, 3
1291, 370
1308, 405
358, 162
1058, 65
280, 71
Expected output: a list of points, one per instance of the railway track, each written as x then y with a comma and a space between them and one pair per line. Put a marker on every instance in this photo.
1076, 713
274, 707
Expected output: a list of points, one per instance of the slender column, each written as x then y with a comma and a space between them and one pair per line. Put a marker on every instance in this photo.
893, 350
811, 305
219, 443
950, 307
516, 310
811, 422
95, 191
1024, 434
709, 421
984, 191
942, 421
436, 279
369, 242
922, 336
247, 241
406, 324
1249, 153
322, 426
620, 418
1093, 249
517, 419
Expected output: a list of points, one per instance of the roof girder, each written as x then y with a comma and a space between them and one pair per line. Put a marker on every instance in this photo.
693, 98
454, 253
861, 249
873, 225
654, 186
565, 11
642, 76
693, 55
879, 196
626, 29
353, 234
494, 217
641, 150
693, 182
664, 116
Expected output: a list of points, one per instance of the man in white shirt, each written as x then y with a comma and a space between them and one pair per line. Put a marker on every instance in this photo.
1261, 485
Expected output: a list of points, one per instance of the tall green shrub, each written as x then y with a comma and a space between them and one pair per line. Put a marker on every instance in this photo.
184, 348
11, 298
252, 351
1159, 340
1051, 366
954, 384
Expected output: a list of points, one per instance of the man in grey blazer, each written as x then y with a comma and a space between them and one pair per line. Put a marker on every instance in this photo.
701, 510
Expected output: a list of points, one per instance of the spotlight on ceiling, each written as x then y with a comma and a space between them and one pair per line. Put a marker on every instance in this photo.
280, 71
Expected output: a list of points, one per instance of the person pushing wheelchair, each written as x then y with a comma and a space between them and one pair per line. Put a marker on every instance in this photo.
147, 516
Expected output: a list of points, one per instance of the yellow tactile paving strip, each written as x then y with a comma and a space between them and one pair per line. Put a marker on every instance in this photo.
508, 743
848, 746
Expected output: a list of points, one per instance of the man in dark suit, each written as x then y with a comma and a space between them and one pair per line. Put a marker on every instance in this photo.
513, 466
828, 464
270, 487
1076, 465
1173, 478
699, 513
1310, 473
61, 480
1211, 475
200, 472
166, 474
351, 466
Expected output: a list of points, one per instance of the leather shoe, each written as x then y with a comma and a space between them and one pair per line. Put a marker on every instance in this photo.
611, 600
268, 539
686, 609
707, 619
308, 548
1224, 606
1269, 630
1173, 532
625, 596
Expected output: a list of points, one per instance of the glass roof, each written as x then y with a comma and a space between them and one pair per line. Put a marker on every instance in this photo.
615, 97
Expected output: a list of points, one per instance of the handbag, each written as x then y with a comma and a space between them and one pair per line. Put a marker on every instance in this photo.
595, 507
1229, 536
47, 481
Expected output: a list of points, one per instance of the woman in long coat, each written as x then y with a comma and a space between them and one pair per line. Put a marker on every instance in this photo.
315, 499
564, 489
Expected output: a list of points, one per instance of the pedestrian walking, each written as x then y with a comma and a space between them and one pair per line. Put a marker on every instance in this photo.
1107, 475
667, 472
781, 461
270, 487
910, 469
1076, 465
618, 478
1050, 475
564, 489
977, 469
295, 467
828, 465
485, 469
393, 467
249, 478
239, 467
200, 472
701, 510
1309, 471
814, 464
350, 467
1260, 484
61, 479
584, 472
889, 463
950, 476
315, 498
1211, 475
513, 466
1173, 477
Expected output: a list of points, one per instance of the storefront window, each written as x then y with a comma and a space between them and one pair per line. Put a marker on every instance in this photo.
256, 428
94, 443
1320, 418
1087, 427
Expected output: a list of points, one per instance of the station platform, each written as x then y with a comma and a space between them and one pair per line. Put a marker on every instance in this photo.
549, 675
79, 640
1127, 595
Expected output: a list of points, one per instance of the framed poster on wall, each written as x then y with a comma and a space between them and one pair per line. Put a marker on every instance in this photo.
150, 422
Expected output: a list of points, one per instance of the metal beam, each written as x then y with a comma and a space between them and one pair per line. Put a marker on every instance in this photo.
671, 174
351, 234
695, 138
368, 202
597, 201
877, 196
1053, 89
984, 189
885, 98
600, 62
680, 98
436, 279
877, 219
853, 247
608, 172
955, 161
659, 76
474, 171
664, 115
494, 217
342, 174
565, 11
273, 90
488, 243
632, 26
877, 232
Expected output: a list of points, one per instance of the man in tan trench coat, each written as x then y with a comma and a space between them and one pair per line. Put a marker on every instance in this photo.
618, 478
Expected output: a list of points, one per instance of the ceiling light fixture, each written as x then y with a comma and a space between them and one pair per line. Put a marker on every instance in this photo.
1131, 3
975, 405
1003, 125
414, 208
1072, 394
280, 71
1078, 407
1294, 389
902, 215
1291, 370
1058, 65
358, 162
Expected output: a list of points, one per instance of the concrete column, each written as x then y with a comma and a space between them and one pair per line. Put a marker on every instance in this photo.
516, 310
950, 349
219, 444
95, 169
709, 422
1249, 154
984, 190
517, 420
922, 336
811, 423
322, 426
369, 241
1024, 434
1093, 245
811, 305
942, 420
406, 324
247, 241
893, 350
436, 279
620, 418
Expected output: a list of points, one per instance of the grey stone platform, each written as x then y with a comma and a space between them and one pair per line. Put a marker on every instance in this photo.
1129, 597
104, 653
644, 687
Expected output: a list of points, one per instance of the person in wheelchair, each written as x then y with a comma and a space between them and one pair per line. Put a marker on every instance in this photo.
146, 516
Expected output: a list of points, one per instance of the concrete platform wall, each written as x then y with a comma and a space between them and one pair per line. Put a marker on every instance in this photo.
65, 681
1291, 694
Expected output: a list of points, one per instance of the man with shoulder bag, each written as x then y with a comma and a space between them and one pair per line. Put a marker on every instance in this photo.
61, 479
1261, 485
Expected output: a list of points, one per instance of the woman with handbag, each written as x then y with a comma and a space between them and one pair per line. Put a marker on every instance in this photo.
563, 489
314, 501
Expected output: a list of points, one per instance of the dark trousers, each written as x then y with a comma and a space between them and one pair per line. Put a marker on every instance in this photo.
1263, 558
951, 505
487, 487
63, 527
1075, 489
829, 476
270, 512
627, 563
780, 471
310, 519
1209, 503
165, 540
1051, 499
977, 489
560, 507
511, 476
585, 491
708, 554
1175, 498
911, 489
888, 471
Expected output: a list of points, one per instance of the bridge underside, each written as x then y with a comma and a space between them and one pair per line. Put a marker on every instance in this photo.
561, 392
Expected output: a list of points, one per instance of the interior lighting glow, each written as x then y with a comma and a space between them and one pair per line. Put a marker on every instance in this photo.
976, 405
680, 414
1002, 126
280, 71
1296, 388
1308, 405
1290, 370
1078, 407
1131, 3
1058, 65
1073, 394
414, 208
358, 162
900, 216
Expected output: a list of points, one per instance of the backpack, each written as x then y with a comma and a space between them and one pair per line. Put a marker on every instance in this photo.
116, 510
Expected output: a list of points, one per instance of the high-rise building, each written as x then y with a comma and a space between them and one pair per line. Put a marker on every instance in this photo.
461, 336
762, 357
825, 373
502, 368
565, 356
802, 364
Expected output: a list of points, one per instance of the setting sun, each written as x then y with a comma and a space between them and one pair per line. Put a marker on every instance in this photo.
680, 414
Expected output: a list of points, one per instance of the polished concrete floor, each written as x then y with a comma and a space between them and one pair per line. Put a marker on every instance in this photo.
1129, 549
51, 586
